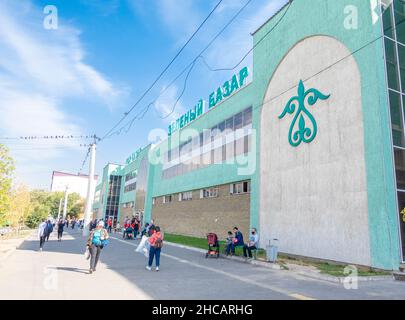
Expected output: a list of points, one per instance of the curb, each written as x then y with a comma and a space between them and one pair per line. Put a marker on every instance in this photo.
185, 247
237, 259
275, 266
341, 280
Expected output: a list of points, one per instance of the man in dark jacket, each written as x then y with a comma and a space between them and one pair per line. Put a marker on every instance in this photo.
49, 229
93, 225
61, 225
237, 241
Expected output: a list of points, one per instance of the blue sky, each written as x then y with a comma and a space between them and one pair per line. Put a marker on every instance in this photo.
82, 77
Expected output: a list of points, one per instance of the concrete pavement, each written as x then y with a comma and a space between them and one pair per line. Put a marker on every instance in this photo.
61, 272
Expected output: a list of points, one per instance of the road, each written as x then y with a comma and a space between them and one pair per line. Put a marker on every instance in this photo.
61, 272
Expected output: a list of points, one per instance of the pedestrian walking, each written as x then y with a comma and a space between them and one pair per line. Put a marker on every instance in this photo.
42, 229
61, 225
110, 224
96, 242
93, 224
136, 227
49, 229
156, 244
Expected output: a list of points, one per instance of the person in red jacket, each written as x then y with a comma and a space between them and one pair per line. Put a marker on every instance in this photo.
110, 223
156, 244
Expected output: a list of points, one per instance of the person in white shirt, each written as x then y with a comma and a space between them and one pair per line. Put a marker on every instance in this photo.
253, 244
42, 233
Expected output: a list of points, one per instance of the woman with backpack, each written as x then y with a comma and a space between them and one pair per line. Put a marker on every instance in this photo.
156, 244
96, 242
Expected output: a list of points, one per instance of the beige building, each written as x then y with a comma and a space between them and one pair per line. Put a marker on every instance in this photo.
75, 183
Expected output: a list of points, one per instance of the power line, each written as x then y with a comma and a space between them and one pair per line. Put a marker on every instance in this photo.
332, 65
33, 148
188, 68
165, 69
229, 69
85, 160
272, 29
49, 137
254, 46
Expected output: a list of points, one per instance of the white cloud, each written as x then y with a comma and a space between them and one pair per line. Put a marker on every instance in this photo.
50, 60
39, 69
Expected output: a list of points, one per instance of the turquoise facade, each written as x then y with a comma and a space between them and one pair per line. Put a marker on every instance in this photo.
293, 23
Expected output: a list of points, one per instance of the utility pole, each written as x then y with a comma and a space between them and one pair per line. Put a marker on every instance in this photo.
90, 190
66, 203
60, 208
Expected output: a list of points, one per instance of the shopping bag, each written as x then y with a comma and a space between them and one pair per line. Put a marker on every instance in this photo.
142, 244
87, 253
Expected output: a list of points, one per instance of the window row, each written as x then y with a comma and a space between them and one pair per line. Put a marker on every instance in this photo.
131, 176
130, 187
128, 205
393, 20
234, 123
207, 193
219, 155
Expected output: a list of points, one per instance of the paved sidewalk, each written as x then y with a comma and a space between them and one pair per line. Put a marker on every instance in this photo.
61, 272
8, 247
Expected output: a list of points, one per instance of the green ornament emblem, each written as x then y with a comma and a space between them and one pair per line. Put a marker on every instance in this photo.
304, 127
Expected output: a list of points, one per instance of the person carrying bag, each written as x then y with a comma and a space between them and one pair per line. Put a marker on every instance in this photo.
98, 239
156, 245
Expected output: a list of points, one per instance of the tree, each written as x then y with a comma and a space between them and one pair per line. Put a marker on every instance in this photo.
36, 216
75, 205
6, 174
44, 204
19, 208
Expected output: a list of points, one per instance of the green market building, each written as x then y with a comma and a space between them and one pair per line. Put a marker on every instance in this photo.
310, 151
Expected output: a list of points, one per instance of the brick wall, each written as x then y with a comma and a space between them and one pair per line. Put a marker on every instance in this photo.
201, 216
125, 212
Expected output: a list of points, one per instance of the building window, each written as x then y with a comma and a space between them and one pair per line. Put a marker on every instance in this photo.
394, 41
131, 176
240, 188
209, 193
128, 205
167, 199
216, 145
130, 187
186, 196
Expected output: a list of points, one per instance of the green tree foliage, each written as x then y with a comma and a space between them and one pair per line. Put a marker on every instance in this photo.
6, 173
44, 204
19, 207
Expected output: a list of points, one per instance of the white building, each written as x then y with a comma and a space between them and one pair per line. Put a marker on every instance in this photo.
75, 183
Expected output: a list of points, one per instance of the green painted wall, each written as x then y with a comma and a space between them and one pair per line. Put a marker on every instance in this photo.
304, 19
210, 176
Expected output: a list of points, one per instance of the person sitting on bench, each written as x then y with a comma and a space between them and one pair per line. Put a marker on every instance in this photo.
237, 242
253, 244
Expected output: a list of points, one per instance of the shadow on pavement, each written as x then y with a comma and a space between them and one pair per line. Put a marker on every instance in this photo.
71, 270
176, 279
